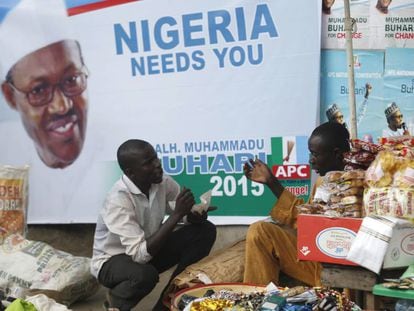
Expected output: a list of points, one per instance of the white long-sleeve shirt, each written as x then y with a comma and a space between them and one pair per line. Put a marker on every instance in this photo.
128, 218
390, 133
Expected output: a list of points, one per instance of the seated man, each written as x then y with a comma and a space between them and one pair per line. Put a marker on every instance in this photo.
271, 248
132, 244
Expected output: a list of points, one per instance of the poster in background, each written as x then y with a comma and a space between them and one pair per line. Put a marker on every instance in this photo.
379, 24
369, 97
391, 24
208, 84
333, 28
399, 83
382, 27
389, 73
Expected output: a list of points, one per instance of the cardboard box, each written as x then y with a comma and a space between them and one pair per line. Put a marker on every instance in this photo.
326, 239
400, 252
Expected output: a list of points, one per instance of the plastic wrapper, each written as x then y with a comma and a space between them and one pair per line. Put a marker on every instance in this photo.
324, 192
389, 201
203, 304
339, 195
404, 177
354, 166
338, 177
14, 194
333, 176
333, 210
334, 199
358, 144
351, 199
397, 141
341, 210
400, 146
185, 300
358, 191
272, 303
343, 186
330, 299
351, 175
313, 208
380, 172
363, 158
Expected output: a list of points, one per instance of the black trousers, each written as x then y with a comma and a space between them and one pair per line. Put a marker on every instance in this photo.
130, 281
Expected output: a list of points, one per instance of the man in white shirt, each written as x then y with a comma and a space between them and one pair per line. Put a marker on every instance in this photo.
132, 243
396, 125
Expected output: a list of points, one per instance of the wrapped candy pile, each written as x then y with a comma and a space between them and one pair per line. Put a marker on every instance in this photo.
297, 298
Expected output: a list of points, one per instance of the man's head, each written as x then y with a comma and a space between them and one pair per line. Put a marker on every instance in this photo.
326, 6
382, 6
47, 87
139, 161
327, 145
334, 114
394, 117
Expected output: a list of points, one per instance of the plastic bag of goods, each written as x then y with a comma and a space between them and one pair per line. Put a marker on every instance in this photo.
13, 198
389, 201
381, 172
36, 267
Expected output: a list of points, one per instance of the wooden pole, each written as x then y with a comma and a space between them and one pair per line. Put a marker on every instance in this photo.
349, 23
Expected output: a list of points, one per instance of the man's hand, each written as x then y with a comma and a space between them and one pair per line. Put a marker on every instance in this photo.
368, 89
196, 218
184, 202
258, 171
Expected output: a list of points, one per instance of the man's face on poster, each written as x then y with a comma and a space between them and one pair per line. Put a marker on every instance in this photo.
382, 5
326, 6
396, 120
48, 89
339, 118
328, 3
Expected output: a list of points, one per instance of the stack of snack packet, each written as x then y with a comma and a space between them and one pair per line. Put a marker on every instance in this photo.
390, 185
339, 195
361, 155
400, 146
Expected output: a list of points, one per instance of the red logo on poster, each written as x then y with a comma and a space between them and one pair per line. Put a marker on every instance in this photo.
299, 171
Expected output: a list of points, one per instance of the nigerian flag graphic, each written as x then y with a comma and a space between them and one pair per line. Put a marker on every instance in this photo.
289, 150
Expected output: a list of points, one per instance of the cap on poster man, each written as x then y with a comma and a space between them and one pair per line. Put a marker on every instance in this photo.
28, 25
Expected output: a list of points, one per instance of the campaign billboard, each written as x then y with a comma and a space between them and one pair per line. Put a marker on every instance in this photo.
376, 24
208, 84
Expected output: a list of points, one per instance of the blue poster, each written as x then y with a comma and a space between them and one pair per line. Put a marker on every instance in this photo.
368, 69
399, 83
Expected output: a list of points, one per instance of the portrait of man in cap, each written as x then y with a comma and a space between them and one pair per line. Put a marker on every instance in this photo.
396, 125
44, 78
334, 114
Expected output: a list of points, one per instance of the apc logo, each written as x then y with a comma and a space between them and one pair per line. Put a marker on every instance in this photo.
282, 172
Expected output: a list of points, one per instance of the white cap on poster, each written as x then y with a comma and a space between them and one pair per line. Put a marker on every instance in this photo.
28, 25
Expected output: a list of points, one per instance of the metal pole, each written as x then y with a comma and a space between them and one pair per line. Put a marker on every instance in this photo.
349, 23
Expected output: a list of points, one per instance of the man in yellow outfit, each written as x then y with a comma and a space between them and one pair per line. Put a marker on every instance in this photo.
271, 246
